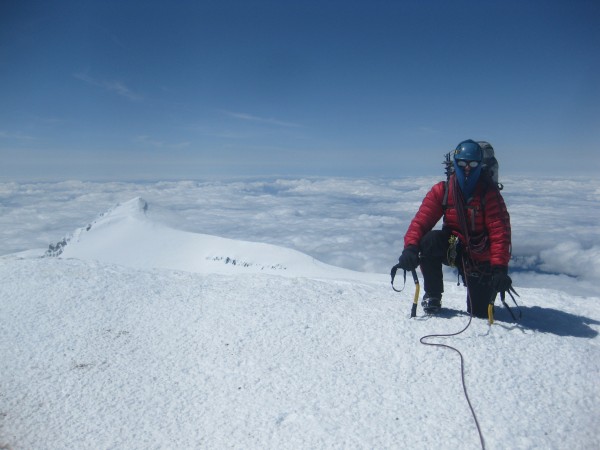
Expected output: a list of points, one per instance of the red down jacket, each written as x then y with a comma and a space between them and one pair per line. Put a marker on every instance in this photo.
490, 219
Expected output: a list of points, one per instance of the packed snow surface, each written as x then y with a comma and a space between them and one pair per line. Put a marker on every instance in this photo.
139, 335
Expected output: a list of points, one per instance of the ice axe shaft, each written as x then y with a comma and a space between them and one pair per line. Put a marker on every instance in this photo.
413, 311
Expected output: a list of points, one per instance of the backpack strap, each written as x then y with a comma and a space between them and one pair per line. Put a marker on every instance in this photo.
445, 199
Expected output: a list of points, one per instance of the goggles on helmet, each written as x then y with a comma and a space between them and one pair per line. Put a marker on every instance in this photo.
465, 163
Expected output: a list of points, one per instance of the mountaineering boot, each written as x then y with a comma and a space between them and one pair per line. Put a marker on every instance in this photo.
431, 303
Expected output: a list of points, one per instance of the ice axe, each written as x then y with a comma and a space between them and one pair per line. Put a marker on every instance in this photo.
413, 311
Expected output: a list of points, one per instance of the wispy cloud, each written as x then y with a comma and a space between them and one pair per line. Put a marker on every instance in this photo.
15, 135
264, 120
113, 86
152, 142
112, 36
428, 130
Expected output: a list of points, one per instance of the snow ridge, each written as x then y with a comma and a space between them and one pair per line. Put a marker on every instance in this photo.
125, 235
137, 207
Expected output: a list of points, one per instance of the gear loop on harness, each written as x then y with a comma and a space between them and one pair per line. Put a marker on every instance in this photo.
452, 250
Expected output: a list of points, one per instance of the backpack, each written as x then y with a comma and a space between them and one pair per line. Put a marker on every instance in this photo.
490, 163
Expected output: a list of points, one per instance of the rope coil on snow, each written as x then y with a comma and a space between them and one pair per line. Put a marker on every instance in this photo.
462, 363
462, 370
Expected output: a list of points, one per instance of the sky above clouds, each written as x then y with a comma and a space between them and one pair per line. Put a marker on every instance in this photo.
187, 89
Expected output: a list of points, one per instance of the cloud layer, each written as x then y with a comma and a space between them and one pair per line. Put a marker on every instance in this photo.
353, 223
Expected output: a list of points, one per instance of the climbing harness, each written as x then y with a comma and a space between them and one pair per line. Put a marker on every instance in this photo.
477, 244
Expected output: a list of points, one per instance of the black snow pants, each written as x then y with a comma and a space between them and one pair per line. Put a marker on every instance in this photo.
434, 253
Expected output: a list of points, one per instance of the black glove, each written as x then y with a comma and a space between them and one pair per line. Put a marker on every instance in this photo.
409, 260
501, 282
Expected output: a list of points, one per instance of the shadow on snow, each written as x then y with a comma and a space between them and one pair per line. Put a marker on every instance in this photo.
560, 323
543, 320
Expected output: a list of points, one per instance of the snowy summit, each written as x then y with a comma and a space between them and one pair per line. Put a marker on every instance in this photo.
126, 236
138, 335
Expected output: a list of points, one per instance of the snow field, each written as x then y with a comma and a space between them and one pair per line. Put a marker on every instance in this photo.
98, 355
143, 336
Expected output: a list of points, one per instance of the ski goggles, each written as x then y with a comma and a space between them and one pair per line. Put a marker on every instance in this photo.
465, 163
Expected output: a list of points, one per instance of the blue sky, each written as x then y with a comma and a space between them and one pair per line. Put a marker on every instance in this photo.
189, 89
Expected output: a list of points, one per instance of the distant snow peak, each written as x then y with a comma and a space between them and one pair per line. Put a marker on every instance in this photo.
126, 236
136, 207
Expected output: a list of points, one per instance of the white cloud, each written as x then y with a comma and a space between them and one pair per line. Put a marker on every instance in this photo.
428, 130
16, 135
354, 223
572, 259
115, 86
150, 141
268, 121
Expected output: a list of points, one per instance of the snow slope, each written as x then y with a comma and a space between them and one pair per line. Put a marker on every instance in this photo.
141, 336
124, 235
